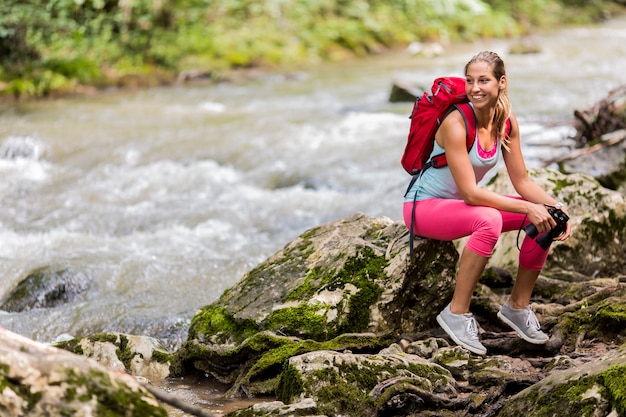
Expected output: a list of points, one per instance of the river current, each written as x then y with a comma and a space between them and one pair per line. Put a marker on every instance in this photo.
158, 200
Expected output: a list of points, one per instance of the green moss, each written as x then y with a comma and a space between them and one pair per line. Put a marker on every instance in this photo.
208, 359
614, 382
160, 356
362, 271
290, 384
309, 234
616, 178
561, 183
432, 373
272, 362
344, 389
490, 278
113, 400
602, 236
306, 320
447, 356
306, 289
124, 353
359, 315
215, 320
31, 396
72, 345
610, 318
603, 320
565, 399
336, 398
577, 291
273, 354
303, 320
104, 338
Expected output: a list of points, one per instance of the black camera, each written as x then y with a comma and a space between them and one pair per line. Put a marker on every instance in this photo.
545, 240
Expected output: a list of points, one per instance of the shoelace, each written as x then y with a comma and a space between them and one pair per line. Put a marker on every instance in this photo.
470, 328
531, 320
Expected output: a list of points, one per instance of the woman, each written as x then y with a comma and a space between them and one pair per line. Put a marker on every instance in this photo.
450, 204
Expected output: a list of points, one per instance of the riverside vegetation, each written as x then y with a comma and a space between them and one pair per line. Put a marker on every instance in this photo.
69, 46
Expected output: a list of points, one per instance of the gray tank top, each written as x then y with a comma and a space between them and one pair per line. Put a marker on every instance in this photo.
438, 182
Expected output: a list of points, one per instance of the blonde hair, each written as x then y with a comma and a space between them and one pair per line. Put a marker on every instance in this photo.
503, 106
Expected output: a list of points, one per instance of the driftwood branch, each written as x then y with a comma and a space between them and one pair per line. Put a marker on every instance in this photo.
176, 402
611, 140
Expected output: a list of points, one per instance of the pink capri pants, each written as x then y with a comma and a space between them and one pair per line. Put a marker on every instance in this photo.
448, 219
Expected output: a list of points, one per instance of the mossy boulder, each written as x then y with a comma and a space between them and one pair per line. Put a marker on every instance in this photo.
349, 276
255, 366
344, 383
37, 380
600, 316
593, 389
348, 284
598, 216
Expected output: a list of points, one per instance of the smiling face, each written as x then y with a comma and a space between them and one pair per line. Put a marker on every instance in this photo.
482, 86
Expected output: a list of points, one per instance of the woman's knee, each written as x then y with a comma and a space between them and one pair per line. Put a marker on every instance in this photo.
486, 231
488, 221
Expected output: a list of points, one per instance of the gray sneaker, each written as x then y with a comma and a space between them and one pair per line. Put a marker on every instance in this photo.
462, 329
524, 322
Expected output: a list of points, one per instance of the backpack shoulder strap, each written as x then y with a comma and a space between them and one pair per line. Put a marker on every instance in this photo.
470, 123
467, 112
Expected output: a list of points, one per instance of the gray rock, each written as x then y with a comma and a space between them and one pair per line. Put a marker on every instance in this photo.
597, 387
141, 356
598, 216
46, 287
39, 380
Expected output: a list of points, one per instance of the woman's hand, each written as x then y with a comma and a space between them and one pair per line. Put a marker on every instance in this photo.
539, 216
568, 227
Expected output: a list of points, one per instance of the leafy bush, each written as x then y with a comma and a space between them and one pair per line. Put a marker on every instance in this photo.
49, 43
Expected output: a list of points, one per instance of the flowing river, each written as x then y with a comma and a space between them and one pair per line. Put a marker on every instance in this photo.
159, 200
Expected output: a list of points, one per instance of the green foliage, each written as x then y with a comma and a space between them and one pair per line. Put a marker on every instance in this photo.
126, 37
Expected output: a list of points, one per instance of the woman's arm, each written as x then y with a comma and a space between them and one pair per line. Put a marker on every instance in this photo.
516, 168
451, 136
523, 184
